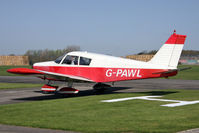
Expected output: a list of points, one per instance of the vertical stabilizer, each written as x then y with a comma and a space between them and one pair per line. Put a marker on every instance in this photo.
169, 54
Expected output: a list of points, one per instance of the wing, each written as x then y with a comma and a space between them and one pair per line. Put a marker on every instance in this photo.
24, 71
45, 74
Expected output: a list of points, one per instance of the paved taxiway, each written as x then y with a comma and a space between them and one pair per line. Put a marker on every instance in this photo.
32, 94
10, 96
19, 129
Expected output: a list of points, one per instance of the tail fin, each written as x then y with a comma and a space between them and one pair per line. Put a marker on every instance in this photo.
169, 54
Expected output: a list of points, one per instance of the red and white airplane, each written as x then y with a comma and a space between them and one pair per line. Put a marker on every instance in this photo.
104, 68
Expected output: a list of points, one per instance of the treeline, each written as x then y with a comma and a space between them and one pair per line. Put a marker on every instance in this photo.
184, 52
190, 53
152, 52
48, 55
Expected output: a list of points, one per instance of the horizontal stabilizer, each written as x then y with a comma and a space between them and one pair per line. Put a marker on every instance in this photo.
182, 69
173, 70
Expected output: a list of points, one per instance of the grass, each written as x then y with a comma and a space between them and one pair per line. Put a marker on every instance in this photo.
88, 114
3, 70
17, 85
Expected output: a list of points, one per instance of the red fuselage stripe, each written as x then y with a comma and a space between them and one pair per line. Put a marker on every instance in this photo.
97, 74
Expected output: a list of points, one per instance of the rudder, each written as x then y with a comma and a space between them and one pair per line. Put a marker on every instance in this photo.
169, 54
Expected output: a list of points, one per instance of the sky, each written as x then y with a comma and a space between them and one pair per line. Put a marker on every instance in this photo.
114, 27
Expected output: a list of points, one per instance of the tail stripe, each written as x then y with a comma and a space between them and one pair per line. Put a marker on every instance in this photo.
176, 39
170, 52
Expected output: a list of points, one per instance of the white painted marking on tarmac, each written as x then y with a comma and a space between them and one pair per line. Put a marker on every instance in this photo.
153, 98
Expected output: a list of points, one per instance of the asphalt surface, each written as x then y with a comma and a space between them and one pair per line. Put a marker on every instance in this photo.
12, 96
19, 129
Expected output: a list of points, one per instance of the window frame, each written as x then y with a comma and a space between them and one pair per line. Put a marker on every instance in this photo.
70, 64
85, 58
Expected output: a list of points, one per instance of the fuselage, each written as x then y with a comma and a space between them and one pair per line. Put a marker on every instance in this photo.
101, 68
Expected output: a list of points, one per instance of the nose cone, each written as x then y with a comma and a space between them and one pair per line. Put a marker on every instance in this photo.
37, 65
34, 65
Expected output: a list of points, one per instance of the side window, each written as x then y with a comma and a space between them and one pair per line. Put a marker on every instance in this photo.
70, 60
85, 61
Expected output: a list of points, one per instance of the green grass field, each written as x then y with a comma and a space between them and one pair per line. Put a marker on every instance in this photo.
17, 85
88, 114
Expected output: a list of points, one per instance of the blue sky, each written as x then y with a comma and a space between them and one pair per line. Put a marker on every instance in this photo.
115, 27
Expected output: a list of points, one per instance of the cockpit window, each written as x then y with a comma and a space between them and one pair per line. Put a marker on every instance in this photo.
71, 60
59, 59
85, 61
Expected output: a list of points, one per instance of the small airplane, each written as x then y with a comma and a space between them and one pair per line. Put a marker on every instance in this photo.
99, 68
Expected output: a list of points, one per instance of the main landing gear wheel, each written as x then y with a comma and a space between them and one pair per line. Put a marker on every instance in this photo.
100, 87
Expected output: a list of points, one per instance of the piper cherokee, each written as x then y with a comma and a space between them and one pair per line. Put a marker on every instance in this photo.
99, 68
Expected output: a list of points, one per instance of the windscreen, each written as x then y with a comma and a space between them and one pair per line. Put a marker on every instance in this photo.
59, 59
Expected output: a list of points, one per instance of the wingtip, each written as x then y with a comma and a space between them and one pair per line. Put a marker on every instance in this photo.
11, 70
